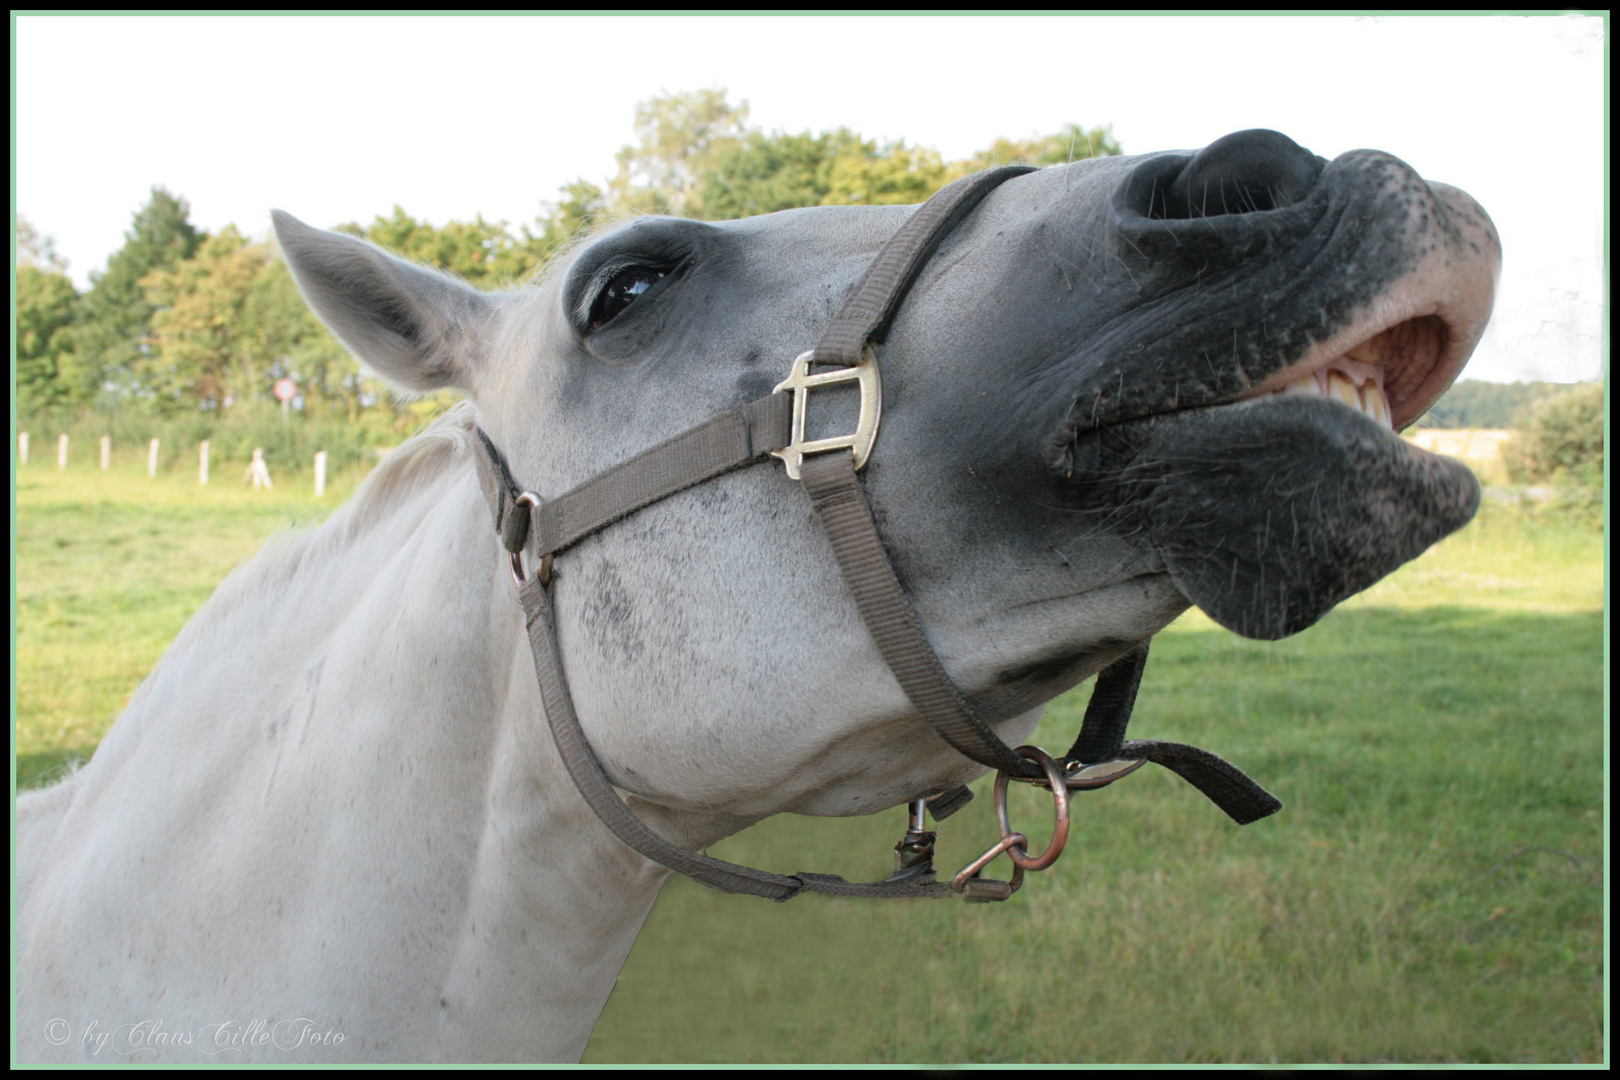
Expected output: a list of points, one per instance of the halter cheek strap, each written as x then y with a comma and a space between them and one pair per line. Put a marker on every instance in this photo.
773, 425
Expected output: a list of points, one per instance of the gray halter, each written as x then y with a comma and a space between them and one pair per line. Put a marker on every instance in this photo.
774, 426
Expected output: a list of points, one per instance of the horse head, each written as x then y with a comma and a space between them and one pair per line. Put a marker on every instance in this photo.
1118, 388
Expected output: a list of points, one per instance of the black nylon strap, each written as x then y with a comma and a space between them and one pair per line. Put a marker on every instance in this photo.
870, 309
1221, 782
716, 446
500, 491
1102, 732
946, 803
724, 442
840, 503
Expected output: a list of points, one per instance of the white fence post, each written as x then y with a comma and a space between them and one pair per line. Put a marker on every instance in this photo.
22, 445
320, 473
106, 451
256, 470
151, 459
61, 451
202, 472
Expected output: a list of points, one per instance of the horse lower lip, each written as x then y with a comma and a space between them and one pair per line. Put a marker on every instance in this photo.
1267, 513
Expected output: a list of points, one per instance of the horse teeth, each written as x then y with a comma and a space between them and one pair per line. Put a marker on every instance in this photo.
1375, 404
1359, 386
1340, 388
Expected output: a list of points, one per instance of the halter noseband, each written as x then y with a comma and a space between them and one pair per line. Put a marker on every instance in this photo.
774, 426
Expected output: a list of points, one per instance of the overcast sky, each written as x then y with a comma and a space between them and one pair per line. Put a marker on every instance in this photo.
339, 118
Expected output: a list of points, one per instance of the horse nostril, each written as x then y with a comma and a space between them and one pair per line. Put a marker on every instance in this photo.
1242, 173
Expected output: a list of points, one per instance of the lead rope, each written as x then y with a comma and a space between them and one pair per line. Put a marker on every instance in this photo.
774, 425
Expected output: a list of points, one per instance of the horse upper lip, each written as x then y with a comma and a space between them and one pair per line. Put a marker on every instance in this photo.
1377, 265
1420, 333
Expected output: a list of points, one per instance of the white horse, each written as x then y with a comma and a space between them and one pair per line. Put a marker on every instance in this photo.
331, 824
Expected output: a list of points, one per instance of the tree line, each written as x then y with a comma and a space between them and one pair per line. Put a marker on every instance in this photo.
187, 325
1472, 403
1559, 427
189, 331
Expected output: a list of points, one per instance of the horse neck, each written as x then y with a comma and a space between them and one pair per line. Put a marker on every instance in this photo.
347, 747
549, 902
553, 902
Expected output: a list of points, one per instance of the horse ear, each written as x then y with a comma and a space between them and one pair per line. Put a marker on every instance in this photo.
418, 328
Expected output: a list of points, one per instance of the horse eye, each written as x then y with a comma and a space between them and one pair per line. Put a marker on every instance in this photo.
621, 292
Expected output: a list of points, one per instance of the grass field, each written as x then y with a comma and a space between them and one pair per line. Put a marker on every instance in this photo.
1431, 892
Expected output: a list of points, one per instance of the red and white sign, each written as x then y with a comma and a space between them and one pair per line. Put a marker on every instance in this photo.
286, 390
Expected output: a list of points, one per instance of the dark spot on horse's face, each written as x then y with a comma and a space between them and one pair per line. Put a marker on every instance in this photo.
611, 615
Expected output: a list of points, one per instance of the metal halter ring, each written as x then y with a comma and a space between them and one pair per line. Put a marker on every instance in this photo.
1060, 812
529, 498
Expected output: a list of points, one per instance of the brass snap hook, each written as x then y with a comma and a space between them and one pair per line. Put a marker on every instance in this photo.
964, 880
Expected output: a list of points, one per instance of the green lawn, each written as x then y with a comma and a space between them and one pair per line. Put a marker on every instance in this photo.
1431, 891
110, 565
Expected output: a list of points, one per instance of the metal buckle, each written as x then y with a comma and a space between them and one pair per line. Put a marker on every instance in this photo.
800, 380
529, 498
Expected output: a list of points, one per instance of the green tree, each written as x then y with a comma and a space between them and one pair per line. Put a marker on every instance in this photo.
481, 252
695, 156
199, 350
1474, 403
1072, 143
47, 377
228, 323
292, 342
865, 175
764, 173
36, 250
761, 173
678, 138
113, 331
582, 205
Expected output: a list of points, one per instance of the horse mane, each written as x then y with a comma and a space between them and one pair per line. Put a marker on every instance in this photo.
412, 478
424, 463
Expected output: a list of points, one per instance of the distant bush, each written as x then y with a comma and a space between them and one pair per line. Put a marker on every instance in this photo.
1560, 440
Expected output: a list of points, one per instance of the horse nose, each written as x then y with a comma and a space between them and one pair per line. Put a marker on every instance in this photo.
1243, 173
